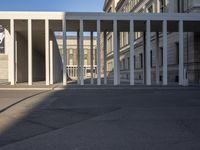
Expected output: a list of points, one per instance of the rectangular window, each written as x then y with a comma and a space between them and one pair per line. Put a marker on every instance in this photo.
128, 59
162, 5
134, 62
141, 61
177, 53
161, 56
151, 53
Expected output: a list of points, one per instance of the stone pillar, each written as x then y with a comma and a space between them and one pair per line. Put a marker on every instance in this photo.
165, 69
64, 52
78, 58
12, 52
81, 52
116, 53
91, 57
47, 51
157, 56
30, 53
105, 62
51, 62
181, 53
148, 50
98, 53
132, 51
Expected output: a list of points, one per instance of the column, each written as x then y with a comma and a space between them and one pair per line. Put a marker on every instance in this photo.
81, 53
47, 51
165, 70
157, 54
181, 53
30, 69
78, 60
132, 40
148, 49
12, 52
64, 52
105, 62
51, 61
116, 57
98, 53
91, 57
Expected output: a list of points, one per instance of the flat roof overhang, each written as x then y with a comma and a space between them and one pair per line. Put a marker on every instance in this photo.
191, 20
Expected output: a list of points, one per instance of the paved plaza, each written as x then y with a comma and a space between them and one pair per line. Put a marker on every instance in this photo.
107, 118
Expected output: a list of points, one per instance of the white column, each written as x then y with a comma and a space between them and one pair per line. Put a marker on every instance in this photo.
51, 62
181, 53
64, 52
30, 72
91, 57
116, 53
12, 52
165, 63
157, 54
98, 53
78, 58
47, 51
132, 40
148, 49
105, 62
81, 53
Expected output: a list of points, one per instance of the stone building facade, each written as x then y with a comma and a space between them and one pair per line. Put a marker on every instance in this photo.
191, 41
72, 55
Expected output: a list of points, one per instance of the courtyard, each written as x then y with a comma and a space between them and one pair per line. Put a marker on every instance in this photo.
103, 118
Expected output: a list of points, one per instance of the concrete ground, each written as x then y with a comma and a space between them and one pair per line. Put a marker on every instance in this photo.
120, 118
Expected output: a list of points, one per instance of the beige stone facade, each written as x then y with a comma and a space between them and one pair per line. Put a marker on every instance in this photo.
72, 55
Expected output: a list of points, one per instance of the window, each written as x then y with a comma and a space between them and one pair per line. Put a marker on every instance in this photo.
177, 53
2, 40
134, 61
150, 9
141, 61
161, 56
128, 59
162, 5
180, 6
151, 53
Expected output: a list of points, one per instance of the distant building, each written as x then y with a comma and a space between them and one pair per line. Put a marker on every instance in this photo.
72, 55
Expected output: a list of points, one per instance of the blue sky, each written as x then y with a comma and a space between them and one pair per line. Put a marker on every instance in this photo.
52, 5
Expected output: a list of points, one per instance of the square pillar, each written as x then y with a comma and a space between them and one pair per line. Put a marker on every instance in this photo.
98, 53
105, 62
132, 51
81, 53
51, 62
47, 63
157, 54
181, 53
30, 56
64, 52
78, 58
148, 50
165, 63
116, 54
12, 52
91, 57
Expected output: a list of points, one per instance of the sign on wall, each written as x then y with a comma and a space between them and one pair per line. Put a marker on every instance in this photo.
2, 39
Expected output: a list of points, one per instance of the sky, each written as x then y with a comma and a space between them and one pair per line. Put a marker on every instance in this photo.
52, 5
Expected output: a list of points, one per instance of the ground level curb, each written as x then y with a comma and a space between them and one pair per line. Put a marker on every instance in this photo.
26, 89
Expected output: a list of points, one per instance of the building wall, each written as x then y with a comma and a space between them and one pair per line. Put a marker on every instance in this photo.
191, 40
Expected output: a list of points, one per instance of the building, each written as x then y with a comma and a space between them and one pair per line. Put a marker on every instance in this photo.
72, 55
191, 43
31, 52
